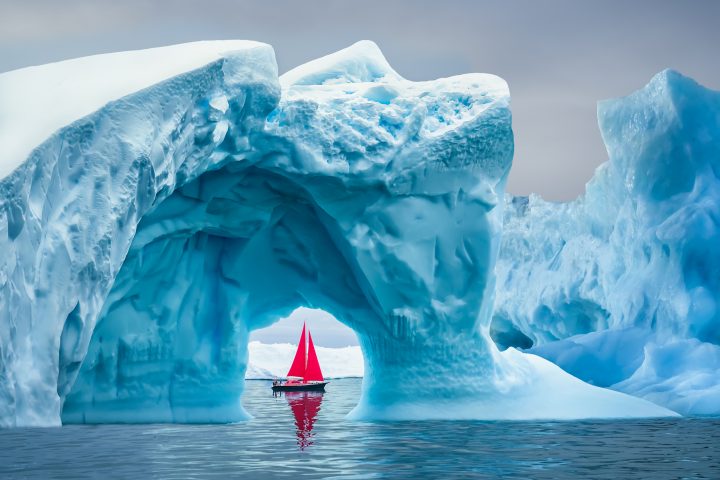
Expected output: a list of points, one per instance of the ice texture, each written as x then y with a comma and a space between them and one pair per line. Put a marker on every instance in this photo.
145, 240
70, 210
78, 87
621, 286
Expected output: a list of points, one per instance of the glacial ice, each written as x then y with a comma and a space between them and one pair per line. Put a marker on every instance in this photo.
620, 287
145, 239
71, 208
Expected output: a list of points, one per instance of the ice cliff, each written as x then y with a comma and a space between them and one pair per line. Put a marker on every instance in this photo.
621, 286
176, 200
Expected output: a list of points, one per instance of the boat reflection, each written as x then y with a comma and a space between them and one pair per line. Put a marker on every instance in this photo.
305, 407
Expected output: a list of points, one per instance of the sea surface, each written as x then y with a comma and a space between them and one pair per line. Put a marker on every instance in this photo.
306, 436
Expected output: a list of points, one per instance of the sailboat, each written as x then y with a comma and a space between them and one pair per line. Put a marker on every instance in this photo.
304, 373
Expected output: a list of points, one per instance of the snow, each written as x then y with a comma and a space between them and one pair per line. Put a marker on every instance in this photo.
361, 62
268, 361
60, 93
146, 241
626, 275
523, 387
601, 358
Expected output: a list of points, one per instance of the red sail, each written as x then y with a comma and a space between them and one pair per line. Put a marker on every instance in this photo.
297, 369
312, 371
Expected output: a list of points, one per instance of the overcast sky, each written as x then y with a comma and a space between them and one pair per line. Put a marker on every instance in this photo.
559, 57
326, 330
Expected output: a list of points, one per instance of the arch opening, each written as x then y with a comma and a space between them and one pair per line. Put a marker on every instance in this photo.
271, 349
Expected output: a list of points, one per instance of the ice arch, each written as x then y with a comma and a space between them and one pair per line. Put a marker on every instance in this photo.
223, 255
148, 236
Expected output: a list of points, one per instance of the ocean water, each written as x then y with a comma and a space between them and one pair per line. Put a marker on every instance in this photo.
306, 436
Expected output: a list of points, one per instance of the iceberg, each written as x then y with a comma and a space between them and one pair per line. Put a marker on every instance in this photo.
148, 231
620, 287
85, 173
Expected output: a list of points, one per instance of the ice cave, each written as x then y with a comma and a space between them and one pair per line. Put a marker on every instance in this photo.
175, 199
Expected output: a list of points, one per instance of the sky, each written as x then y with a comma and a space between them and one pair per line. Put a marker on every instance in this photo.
559, 57
326, 330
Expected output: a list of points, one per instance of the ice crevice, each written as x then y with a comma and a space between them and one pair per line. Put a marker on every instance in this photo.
146, 237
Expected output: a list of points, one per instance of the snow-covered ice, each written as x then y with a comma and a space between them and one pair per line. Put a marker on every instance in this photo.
63, 92
145, 240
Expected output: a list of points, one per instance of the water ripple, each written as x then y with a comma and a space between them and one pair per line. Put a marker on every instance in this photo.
276, 443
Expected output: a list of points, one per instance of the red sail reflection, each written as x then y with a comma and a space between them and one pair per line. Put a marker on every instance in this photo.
305, 407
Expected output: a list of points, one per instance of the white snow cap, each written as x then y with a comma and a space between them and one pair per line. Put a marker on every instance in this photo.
359, 63
37, 101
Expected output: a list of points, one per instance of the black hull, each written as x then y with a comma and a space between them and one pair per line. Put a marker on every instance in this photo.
305, 387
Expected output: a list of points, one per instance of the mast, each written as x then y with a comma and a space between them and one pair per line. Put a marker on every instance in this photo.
312, 370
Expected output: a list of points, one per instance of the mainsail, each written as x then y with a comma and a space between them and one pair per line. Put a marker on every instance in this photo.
305, 364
